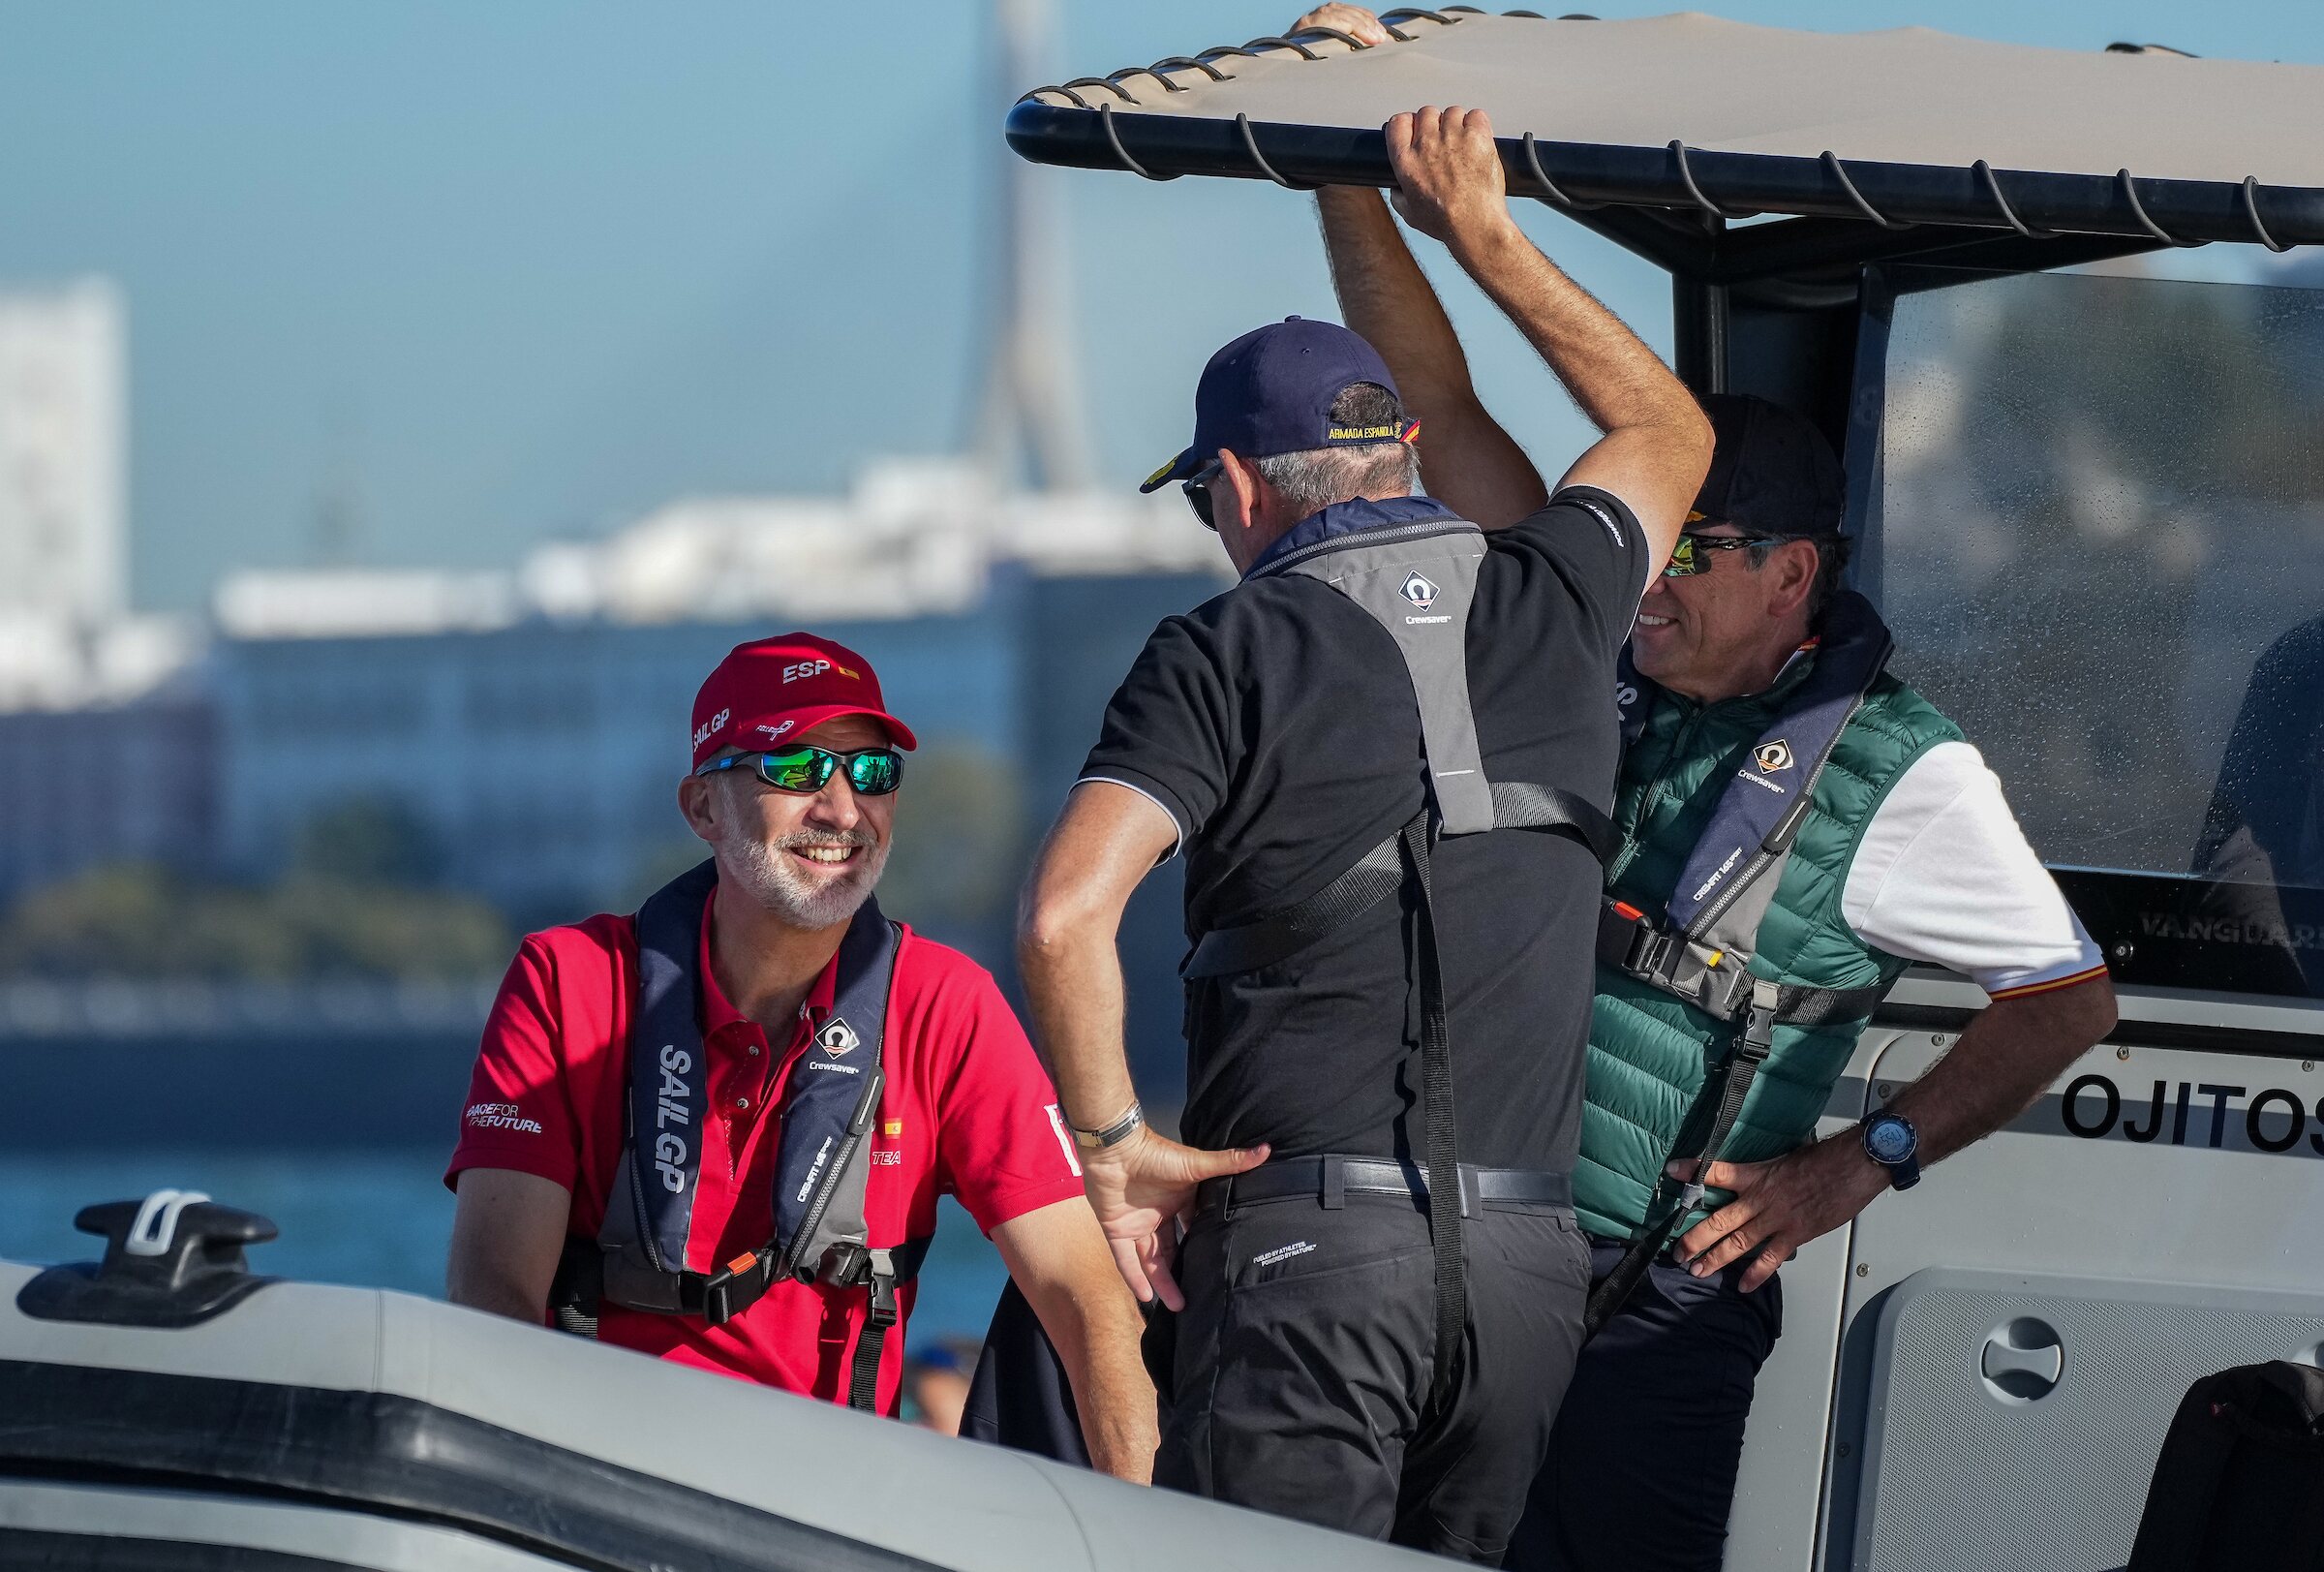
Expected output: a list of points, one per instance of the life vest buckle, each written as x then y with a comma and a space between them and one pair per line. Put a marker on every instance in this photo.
843, 1266
1759, 1028
734, 1287
1726, 988
1631, 941
883, 1310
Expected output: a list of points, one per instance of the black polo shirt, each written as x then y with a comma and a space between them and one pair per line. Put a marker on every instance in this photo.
1276, 725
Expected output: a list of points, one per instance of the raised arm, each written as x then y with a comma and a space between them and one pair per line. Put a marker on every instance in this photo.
1467, 460
1657, 444
1102, 845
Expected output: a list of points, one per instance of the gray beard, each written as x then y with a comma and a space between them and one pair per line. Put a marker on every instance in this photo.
767, 873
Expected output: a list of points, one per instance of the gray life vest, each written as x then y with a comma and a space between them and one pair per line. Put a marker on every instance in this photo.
1418, 581
823, 1162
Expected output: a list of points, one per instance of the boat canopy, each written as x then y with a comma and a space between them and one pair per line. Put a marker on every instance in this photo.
1660, 131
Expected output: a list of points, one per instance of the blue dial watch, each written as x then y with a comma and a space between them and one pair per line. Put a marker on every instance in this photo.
1891, 1141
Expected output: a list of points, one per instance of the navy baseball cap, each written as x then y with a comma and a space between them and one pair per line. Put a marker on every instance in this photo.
1270, 391
1771, 472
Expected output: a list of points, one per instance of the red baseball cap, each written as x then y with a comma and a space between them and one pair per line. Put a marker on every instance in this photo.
773, 689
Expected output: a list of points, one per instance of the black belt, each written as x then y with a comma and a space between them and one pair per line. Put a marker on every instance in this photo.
1331, 1179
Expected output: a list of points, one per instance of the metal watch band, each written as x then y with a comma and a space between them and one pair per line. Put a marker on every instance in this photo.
1113, 1134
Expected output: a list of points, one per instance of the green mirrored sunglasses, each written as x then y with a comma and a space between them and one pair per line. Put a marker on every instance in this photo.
874, 771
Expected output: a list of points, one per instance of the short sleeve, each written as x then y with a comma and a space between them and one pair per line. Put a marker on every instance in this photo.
1943, 875
1166, 732
1590, 539
1003, 1144
519, 1113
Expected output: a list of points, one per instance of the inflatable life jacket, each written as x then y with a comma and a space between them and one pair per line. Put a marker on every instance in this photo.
1418, 579
823, 1165
1700, 949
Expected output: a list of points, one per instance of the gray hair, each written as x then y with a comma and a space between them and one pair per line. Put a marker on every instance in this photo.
1312, 481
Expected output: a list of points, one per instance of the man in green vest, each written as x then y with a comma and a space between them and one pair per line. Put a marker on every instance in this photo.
1904, 850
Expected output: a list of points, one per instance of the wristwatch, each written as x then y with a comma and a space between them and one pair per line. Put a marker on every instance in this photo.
1891, 1141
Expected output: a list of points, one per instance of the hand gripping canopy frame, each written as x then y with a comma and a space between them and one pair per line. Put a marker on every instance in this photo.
1922, 142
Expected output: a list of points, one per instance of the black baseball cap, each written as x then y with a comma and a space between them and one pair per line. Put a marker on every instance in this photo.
1271, 390
1772, 473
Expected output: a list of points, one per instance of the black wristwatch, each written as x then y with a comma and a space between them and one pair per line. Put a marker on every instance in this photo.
1891, 1141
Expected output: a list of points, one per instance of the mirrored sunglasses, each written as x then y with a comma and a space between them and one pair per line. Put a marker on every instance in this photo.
874, 771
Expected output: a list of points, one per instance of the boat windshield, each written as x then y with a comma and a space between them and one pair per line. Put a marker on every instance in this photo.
2095, 523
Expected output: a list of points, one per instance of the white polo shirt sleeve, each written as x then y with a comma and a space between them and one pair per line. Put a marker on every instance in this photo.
1944, 876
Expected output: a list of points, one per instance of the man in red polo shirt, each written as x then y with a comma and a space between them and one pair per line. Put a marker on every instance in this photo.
720, 1128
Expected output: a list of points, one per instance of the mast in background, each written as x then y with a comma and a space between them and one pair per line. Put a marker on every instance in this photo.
1029, 421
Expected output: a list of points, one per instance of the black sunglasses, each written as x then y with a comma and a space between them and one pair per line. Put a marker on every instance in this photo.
874, 771
1692, 554
1198, 494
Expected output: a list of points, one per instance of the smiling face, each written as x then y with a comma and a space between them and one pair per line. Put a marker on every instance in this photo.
1728, 631
809, 858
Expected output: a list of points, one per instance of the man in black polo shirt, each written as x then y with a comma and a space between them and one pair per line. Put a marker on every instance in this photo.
1388, 968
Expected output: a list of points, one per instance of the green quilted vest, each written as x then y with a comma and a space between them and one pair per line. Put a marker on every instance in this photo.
1649, 1052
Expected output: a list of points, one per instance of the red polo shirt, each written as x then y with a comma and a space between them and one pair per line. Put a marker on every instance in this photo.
967, 1110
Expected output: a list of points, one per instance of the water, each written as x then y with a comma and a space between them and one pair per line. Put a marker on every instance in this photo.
374, 1218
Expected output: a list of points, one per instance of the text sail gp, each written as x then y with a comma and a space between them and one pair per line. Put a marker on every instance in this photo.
823, 1165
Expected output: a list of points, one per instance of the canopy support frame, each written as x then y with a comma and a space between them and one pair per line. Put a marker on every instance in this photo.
1880, 201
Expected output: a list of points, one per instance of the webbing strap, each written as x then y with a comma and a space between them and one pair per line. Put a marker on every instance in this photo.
1821, 1006
1518, 804
715, 1297
1223, 953
1643, 950
871, 1344
575, 1298
1436, 1097
1727, 1089
1522, 805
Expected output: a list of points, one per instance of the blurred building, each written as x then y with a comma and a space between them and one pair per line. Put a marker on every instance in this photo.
102, 759
63, 529
536, 720
66, 640
130, 783
543, 758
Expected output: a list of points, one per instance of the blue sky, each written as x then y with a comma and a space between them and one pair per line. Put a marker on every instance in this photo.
527, 269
